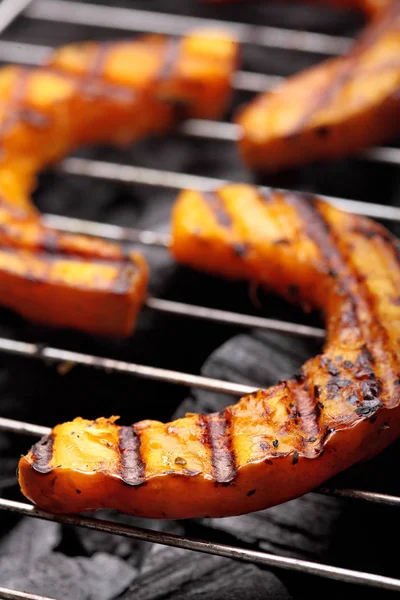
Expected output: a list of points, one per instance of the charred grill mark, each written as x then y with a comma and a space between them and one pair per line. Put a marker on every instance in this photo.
42, 453
15, 112
172, 48
218, 436
324, 97
216, 204
265, 195
308, 413
92, 84
328, 244
132, 465
33, 117
123, 280
347, 70
49, 241
240, 250
94, 89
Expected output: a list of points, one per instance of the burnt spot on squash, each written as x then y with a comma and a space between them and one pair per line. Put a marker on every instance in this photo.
240, 250
217, 207
42, 454
123, 281
132, 465
218, 437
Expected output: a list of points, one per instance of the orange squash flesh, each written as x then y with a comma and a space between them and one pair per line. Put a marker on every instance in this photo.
87, 93
276, 444
331, 110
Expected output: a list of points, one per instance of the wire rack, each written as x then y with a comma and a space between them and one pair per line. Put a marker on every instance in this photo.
129, 19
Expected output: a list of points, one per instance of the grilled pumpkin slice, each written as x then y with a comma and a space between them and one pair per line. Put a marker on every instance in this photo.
86, 93
275, 444
333, 109
69, 280
111, 92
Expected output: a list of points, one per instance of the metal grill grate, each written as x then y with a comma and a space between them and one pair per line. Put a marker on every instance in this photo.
128, 19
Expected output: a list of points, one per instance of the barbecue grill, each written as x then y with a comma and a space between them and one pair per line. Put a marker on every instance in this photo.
17, 17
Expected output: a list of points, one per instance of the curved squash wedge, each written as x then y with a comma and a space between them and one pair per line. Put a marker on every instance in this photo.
87, 93
342, 407
331, 110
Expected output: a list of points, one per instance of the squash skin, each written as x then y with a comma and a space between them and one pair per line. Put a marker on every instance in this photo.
89, 93
273, 445
331, 110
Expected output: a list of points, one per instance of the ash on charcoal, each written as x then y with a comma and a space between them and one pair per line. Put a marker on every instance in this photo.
259, 359
29, 561
133, 551
25, 545
301, 527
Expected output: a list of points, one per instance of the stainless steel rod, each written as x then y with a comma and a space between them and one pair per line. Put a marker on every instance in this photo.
23, 428
230, 132
10, 10
109, 365
21, 52
230, 318
116, 233
224, 550
374, 497
8, 594
129, 174
130, 19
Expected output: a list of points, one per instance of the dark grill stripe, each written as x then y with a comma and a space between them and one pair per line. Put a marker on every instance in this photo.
122, 282
308, 413
218, 436
132, 465
172, 48
42, 453
49, 241
92, 83
14, 110
217, 206
328, 244
348, 67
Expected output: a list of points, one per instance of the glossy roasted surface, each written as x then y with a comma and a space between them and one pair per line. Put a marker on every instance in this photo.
86, 93
331, 110
275, 444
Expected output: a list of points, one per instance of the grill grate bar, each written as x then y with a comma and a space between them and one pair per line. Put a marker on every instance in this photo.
10, 10
230, 318
374, 497
229, 132
129, 174
8, 594
224, 550
22, 428
57, 355
130, 19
